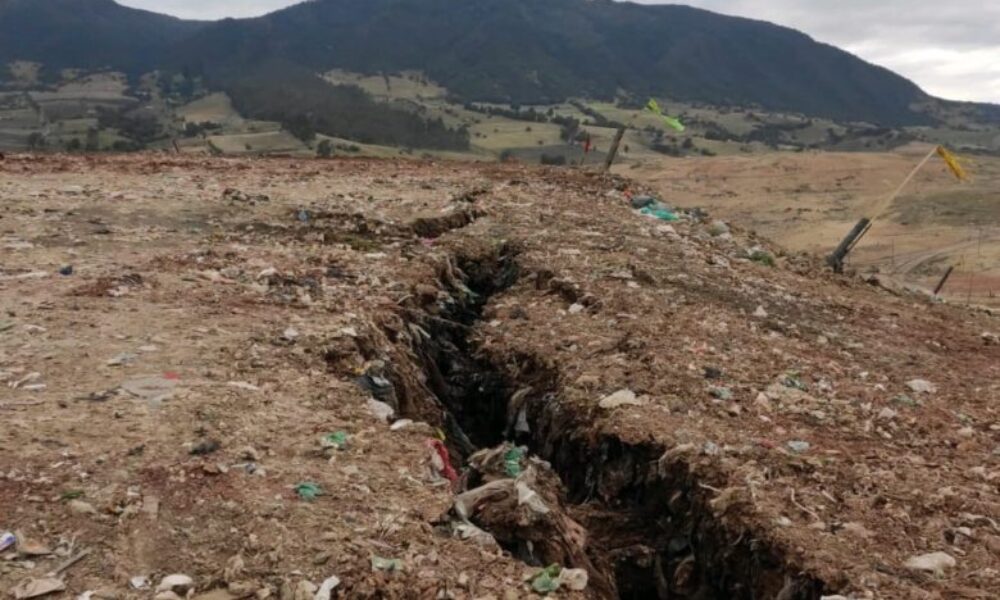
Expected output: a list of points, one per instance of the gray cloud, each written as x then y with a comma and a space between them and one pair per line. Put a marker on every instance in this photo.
951, 49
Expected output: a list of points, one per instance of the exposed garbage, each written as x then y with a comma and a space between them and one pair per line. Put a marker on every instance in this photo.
553, 378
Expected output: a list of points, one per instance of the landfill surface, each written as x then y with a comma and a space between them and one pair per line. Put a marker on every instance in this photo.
308, 379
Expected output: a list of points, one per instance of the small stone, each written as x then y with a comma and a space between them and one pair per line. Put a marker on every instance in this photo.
887, 414
123, 359
205, 447
305, 590
921, 386
857, 530
760, 313
66, 270
935, 562
291, 334
721, 393
576, 309
82, 508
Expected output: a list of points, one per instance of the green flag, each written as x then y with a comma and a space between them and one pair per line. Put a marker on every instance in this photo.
654, 107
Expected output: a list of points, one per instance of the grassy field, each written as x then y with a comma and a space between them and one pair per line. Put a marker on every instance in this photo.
808, 201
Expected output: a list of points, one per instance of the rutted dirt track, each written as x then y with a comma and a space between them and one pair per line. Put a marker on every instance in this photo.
698, 424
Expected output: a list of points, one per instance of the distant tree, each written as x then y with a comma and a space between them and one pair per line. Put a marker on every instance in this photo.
36, 141
74, 145
93, 143
324, 149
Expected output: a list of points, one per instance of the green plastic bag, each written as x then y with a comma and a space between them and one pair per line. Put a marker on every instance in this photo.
308, 491
660, 212
512, 461
546, 580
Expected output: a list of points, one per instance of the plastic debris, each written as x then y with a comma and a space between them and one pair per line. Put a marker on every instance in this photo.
660, 212
798, 446
33, 588
7, 541
546, 581
440, 460
326, 588
512, 461
336, 440
935, 562
530, 498
177, 583
921, 386
308, 491
151, 389
574, 579
640, 202
620, 398
380, 410
390, 565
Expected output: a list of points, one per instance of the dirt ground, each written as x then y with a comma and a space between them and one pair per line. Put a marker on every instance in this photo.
809, 201
187, 344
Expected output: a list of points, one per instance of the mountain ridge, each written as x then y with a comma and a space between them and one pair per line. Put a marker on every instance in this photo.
509, 51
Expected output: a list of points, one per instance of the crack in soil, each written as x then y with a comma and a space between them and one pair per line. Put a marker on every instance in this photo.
654, 530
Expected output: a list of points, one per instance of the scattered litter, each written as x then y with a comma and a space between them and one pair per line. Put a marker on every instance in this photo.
82, 508
326, 588
308, 491
660, 212
33, 588
401, 424
546, 581
123, 359
139, 582
935, 562
243, 385
152, 389
530, 498
389, 565
380, 410
440, 460
205, 447
337, 440
921, 386
7, 541
512, 461
177, 583
574, 579
798, 447
620, 398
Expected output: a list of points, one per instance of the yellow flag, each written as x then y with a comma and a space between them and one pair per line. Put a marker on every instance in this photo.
953, 165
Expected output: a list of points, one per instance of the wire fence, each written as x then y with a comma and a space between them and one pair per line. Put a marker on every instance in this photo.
968, 267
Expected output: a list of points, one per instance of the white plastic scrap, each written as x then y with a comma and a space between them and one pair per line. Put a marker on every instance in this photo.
326, 588
528, 496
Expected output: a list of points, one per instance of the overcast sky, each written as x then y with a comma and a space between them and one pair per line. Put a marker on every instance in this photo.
950, 48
